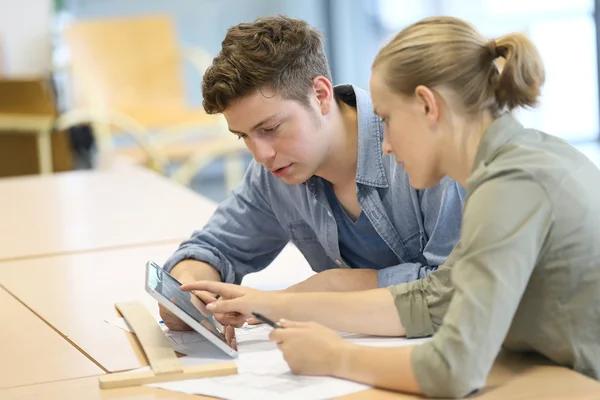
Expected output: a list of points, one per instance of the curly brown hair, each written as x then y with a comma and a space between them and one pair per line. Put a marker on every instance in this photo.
274, 52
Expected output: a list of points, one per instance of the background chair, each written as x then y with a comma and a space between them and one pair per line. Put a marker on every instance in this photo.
126, 81
28, 144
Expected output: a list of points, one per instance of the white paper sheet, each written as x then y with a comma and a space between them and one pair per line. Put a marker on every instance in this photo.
262, 371
265, 375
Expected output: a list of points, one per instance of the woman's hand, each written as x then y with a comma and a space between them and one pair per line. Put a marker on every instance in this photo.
235, 303
310, 348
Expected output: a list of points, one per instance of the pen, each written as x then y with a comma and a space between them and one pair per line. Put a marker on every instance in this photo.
267, 321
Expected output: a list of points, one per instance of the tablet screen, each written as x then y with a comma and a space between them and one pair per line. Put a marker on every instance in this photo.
164, 284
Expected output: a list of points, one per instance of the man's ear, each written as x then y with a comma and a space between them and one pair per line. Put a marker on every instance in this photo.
428, 103
323, 90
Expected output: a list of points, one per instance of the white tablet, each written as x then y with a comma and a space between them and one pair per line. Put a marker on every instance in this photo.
165, 289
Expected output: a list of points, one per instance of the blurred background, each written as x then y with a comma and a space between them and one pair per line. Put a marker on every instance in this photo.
89, 83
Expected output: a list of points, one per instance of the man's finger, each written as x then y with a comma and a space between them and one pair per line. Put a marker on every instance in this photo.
222, 289
230, 337
231, 319
253, 321
206, 297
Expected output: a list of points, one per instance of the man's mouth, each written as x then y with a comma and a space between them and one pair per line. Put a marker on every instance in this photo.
281, 171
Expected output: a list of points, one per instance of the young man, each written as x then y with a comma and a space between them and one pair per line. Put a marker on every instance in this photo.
318, 178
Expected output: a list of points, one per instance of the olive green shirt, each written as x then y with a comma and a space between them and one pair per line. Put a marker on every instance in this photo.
525, 274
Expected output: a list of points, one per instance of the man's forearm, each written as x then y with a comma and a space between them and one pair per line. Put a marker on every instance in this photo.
191, 270
338, 280
370, 312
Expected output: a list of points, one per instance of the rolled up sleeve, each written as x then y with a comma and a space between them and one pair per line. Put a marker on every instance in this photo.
422, 304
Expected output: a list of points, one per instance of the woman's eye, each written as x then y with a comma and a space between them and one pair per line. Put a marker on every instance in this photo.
271, 129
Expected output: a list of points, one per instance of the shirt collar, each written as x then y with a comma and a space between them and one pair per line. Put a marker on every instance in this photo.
369, 168
496, 135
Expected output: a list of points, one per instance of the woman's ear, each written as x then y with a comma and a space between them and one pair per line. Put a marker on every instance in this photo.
428, 103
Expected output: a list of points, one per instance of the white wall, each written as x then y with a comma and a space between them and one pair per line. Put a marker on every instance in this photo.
25, 28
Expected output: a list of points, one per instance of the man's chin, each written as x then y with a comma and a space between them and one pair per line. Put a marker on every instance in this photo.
295, 179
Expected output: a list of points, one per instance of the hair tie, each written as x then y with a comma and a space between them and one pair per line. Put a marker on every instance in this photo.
493, 48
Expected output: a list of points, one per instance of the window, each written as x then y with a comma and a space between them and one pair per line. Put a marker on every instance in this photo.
563, 31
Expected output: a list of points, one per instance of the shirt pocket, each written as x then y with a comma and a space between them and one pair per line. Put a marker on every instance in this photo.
300, 231
413, 246
306, 240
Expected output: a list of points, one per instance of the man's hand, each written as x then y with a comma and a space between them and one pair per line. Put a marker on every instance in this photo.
171, 321
189, 271
236, 303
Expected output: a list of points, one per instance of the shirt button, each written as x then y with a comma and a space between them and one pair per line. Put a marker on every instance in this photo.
329, 213
338, 261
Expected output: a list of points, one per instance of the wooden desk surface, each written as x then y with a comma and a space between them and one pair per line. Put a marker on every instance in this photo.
32, 352
87, 388
76, 293
92, 210
513, 377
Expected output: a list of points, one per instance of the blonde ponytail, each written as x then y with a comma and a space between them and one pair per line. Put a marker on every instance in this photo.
448, 52
523, 74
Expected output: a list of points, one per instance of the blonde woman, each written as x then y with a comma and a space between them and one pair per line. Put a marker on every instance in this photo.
526, 272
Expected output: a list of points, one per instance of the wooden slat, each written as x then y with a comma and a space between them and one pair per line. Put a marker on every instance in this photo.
155, 344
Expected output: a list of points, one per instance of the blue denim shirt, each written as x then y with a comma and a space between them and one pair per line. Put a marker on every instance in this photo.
251, 226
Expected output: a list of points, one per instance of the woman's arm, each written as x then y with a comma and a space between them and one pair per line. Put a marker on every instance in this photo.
388, 368
370, 311
311, 349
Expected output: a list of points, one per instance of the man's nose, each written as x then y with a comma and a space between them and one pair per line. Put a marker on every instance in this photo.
262, 150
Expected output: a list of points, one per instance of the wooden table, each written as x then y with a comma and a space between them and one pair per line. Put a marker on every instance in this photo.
32, 352
92, 210
81, 246
513, 377
76, 293
87, 389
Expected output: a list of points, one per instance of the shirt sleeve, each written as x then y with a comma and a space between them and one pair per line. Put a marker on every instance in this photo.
242, 236
505, 226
